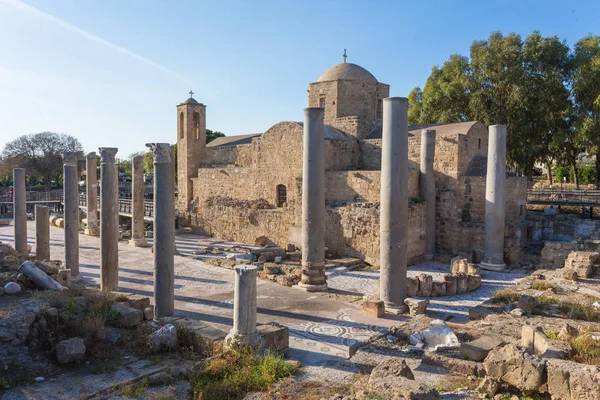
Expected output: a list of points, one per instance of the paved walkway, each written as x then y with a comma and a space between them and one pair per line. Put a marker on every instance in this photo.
321, 328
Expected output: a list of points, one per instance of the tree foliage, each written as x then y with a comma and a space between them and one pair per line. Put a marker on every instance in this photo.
547, 94
40, 154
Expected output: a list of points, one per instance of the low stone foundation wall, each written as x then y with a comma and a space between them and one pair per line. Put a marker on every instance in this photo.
554, 254
464, 277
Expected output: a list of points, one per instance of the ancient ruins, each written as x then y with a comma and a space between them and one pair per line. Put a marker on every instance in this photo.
382, 260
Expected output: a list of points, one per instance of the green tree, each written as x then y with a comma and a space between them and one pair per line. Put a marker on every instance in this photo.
415, 106
586, 92
40, 154
212, 135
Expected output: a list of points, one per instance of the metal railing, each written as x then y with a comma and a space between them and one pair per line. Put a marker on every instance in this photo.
125, 206
576, 198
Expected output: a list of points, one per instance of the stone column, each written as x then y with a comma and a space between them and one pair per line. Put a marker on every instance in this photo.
427, 186
244, 308
20, 210
137, 200
42, 232
495, 199
91, 195
71, 200
313, 202
394, 204
109, 220
164, 232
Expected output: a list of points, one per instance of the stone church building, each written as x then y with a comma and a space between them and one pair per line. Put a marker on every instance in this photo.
242, 187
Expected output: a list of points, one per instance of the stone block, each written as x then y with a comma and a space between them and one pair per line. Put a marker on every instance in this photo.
515, 367
549, 348
462, 283
451, 284
438, 289
373, 307
70, 350
478, 349
473, 269
528, 337
274, 336
479, 312
137, 301
569, 380
473, 282
149, 313
526, 303
415, 306
570, 274
129, 317
413, 286
425, 285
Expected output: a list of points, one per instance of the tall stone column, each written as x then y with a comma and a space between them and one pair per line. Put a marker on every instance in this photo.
137, 200
313, 202
109, 220
71, 199
164, 232
495, 199
91, 195
427, 186
244, 308
394, 204
20, 210
42, 232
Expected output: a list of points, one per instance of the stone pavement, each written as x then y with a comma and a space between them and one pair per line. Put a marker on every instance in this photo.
321, 328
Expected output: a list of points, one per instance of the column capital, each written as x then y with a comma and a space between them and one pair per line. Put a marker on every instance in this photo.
137, 158
91, 155
70, 158
107, 154
162, 152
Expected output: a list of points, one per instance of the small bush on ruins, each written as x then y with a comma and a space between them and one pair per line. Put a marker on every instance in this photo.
504, 296
235, 373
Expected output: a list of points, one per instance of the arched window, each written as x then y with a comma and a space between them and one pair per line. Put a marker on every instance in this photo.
281, 195
196, 121
181, 125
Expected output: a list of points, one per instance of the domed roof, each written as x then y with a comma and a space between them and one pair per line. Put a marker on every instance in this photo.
347, 71
191, 100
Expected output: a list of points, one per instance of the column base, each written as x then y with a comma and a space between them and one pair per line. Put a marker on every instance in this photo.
492, 267
396, 309
233, 340
312, 287
138, 242
76, 278
92, 231
429, 257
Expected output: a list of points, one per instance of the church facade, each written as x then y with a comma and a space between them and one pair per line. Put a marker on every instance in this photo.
244, 187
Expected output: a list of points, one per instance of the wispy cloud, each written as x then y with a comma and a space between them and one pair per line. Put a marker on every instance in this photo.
19, 5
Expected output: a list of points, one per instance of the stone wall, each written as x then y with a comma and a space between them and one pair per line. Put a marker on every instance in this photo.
357, 186
561, 227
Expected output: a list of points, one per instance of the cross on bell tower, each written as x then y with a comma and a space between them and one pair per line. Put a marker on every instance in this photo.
345, 56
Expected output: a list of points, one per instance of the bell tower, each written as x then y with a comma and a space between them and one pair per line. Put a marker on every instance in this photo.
191, 142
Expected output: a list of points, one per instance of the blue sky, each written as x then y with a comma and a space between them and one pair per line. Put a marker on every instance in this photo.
110, 72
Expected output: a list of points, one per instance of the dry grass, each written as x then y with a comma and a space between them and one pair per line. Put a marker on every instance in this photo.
504, 296
540, 284
586, 349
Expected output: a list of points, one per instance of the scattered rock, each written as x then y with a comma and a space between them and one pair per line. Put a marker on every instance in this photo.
12, 288
149, 313
130, 317
52, 312
388, 379
70, 350
518, 312
413, 286
455, 364
277, 260
516, 367
478, 349
567, 332
270, 268
479, 312
165, 337
137, 301
570, 274
415, 306
488, 387
274, 336
160, 378
438, 337
570, 380
373, 306
527, 303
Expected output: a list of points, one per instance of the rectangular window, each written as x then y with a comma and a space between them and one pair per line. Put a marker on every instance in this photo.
479, 143
322, 102
379, 109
